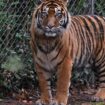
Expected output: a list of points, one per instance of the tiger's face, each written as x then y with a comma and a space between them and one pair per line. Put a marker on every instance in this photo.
51, 18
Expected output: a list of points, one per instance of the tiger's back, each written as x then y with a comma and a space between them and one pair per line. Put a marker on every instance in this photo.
89, 32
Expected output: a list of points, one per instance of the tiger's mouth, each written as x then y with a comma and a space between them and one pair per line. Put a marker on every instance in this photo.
54, 32
50, 34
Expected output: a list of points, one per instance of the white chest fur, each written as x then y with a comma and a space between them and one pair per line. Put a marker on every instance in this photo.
47, 61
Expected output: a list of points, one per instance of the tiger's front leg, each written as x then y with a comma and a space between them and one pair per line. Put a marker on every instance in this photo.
44, 85
63, 83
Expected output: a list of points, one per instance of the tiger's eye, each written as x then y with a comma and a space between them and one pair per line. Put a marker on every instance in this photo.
43, 14
59, 15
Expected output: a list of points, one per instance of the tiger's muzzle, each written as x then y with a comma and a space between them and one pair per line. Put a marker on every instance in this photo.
52, 31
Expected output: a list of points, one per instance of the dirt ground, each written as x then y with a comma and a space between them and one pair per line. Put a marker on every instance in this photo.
72, 101
14, 102
28, 97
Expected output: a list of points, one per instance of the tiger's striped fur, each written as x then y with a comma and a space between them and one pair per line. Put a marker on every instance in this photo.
60, 42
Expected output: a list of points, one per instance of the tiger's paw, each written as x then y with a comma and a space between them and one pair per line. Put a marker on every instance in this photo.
55, 102
40, 102
96, 99
101, 94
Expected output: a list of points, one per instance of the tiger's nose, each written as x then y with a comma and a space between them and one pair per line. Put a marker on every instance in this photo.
50, 26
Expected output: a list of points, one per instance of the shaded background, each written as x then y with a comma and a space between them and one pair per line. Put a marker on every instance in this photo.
16, 65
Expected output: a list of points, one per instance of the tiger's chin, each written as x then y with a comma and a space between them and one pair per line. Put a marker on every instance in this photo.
50, 34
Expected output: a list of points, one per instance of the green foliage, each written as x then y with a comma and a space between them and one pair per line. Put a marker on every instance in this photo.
79, 7
15, 75
83, 76
13, 63
100, 7
7, 18
98, 103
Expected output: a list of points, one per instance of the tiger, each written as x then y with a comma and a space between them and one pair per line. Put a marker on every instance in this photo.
61, 42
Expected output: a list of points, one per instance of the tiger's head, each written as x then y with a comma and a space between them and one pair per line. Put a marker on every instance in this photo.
51, 17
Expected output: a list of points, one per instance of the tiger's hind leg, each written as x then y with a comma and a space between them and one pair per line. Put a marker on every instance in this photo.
100, 95
100, 65
101, 89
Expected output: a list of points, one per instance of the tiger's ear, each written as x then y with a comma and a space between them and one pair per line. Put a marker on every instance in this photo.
66, 2
38, 2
